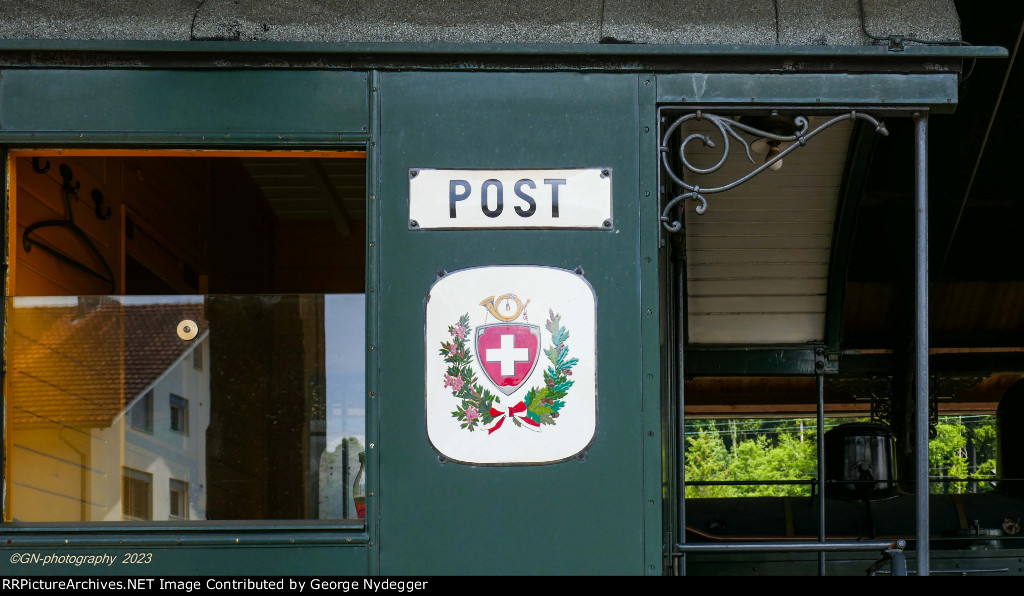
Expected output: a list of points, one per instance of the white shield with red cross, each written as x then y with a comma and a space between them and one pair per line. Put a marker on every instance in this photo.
511, 365
507, 353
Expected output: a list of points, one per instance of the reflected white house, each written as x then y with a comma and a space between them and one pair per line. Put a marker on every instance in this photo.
113, 417
107, 411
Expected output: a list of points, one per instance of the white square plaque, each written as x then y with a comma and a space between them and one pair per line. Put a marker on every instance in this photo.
511, 365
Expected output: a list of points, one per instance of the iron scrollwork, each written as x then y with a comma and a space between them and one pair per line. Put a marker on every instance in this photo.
729, 128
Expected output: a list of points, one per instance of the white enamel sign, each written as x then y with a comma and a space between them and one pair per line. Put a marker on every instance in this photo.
511, 365
455, 199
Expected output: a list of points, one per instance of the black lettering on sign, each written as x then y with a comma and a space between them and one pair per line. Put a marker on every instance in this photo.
522, 195
455, 195
483, 198
554, 183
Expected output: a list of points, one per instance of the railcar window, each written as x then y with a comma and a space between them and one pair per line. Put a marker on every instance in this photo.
185, 336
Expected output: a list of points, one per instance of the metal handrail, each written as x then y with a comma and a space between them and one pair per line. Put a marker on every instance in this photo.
791, 547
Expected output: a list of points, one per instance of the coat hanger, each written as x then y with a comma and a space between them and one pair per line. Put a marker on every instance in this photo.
69, 190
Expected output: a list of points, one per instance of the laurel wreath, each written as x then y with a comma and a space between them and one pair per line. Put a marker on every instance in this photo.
543, 404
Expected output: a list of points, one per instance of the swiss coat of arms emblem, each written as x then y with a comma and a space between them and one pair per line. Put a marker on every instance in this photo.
493, 367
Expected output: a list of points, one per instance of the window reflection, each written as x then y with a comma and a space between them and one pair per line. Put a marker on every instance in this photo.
112, 416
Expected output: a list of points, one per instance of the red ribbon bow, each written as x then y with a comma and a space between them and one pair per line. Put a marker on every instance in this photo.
519, 408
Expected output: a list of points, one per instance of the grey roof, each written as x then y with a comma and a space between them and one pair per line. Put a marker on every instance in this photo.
758, 22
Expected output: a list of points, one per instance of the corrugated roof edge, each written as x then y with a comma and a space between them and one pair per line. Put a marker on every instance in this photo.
499, 49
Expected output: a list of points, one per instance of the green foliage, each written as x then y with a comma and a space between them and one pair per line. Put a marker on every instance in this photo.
963, 447
707, 459
476, 404
756, 450
543, 403
770, 449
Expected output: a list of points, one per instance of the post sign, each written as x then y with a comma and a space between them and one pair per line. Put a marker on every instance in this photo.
511, 365
461, 199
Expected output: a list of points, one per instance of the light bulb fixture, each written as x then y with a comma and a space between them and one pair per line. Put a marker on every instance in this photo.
777, 124
773, 150
769, 148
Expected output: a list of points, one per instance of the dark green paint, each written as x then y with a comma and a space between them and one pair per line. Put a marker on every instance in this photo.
650, 317
851, 190
606, 512
566, 518
373, 325
938, 91
752, 361
134, 106
140, 109
205, 560
52, 535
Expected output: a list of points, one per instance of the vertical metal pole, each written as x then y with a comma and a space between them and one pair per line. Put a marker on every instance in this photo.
921, 341
821, 471
680, 310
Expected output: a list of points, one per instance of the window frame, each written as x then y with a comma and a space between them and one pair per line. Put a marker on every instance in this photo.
130, 479
178, 407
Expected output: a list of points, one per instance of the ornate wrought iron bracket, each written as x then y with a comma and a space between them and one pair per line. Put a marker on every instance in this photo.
729, 128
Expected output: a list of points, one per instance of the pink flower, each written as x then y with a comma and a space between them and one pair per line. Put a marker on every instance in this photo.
471, 414
458, 331
454, 382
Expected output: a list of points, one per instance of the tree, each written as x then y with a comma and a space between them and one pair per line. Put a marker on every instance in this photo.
786, 449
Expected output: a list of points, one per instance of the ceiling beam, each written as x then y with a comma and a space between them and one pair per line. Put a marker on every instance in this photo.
851, 191
321, 182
